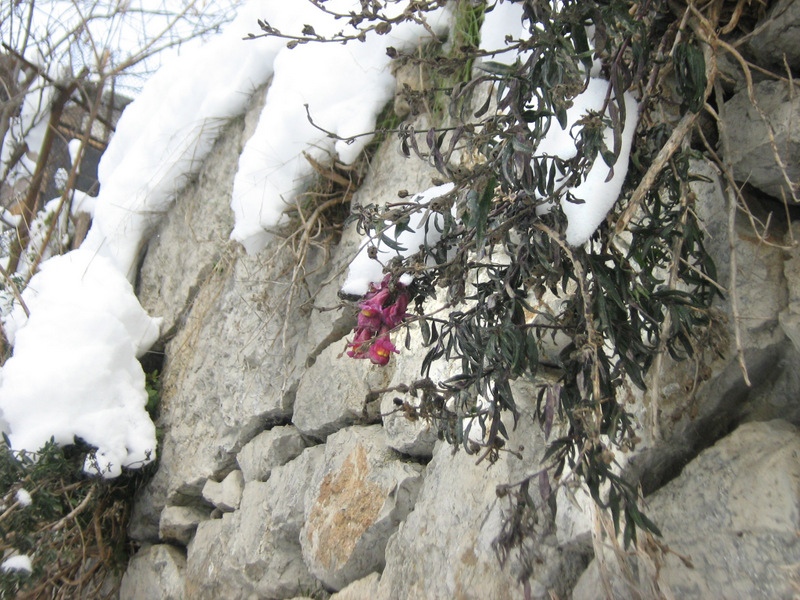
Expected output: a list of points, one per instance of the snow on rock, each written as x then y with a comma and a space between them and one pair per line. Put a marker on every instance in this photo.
163, 136
424, 229
74, 371
18, 562
345, 88
23, 496
597, 194
504, 19
597, 191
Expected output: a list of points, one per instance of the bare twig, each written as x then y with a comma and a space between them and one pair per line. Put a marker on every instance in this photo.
31, 201
74, 512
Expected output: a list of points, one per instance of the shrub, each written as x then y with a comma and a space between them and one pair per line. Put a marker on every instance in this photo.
639, 287
73, 529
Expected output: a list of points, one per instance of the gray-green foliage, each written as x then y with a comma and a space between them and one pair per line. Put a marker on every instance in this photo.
500, 255
638, 288
73, 530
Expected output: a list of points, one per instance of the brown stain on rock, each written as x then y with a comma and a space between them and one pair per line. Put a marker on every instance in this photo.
346, 506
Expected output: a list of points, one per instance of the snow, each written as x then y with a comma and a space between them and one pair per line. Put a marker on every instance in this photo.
74, 149
424, 229
19, 562
505, 19
74, 370
598, 195
23, 497
164, 135
345, 88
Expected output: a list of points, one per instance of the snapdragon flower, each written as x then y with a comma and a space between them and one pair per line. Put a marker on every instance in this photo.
381, 311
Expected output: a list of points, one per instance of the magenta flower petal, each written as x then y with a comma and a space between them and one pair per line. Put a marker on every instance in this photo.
370, 318
360, 346
381, 350
375, 319
394, 314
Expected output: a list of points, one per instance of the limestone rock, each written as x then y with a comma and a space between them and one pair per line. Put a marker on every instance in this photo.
269, 449
255, 551
734, 513
574, 517
363, 589
354, 503
407, 433
790, 317
333, 388
226, 494
332, 393
155, 572
444, 548
748, 146
778, 35
701, 399
411, 434
217, 396
178, 523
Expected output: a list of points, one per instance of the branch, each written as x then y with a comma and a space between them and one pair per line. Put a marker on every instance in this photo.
31, 200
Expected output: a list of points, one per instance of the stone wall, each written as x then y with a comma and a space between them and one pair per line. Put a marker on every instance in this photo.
280, 475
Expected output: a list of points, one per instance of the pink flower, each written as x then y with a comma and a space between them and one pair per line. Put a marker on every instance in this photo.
394, 314
381, 350
360, 345
370, 317
376, 318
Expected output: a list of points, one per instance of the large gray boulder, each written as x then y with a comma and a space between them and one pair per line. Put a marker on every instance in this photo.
155, 572
357, 498
334, 389
446, 547
701, 399
193, 237
226, 378
778, 36
179, 523
730, 521
747, 144
269, 449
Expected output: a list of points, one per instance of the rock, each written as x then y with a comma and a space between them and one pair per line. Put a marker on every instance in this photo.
226, 494
357, 498
155, 572
178, 523
410, 94
444, 548
200, 219
333, 393
411, 433
702, 399
333, 388
269, 449
748, 146
778, 34
217, 396
363, 589
734, 513
255, 551
790, 316
574, 517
